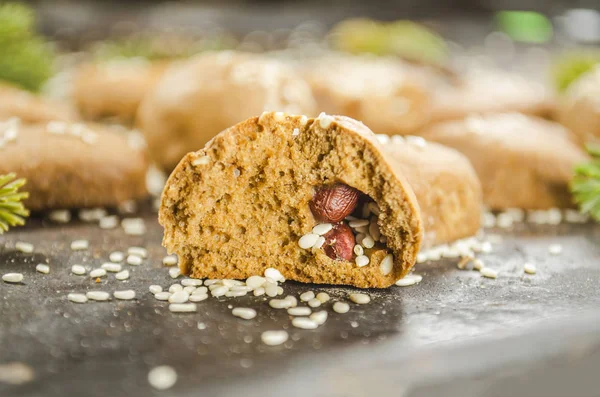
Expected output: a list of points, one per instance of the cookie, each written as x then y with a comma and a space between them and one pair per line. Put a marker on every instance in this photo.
197, 99
387, 95
31, 108
72, 165
485, 92
445, 184
522, 161
579, 110
276, 191
114, 89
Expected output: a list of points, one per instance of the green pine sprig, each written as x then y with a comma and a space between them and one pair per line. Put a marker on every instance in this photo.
12, 210
585, 186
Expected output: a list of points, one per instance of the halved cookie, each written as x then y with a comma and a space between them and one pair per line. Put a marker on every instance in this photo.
445, 184
522, 161
296, 194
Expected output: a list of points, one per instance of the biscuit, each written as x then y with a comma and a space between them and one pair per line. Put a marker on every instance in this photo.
197, 99
244, 203
31, 108
522, 161
445, 184
73, 165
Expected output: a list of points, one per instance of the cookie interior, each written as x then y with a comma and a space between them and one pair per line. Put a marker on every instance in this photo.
241, 204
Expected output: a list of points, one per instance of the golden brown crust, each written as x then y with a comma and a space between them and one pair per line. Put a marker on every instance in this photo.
63, 171
445, 184
197, 99
522, 161
224, 223
31, 108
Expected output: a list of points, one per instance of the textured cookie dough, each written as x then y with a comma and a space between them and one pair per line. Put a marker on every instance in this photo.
73, 165
31, 108
241, 204
114, 89
197, 99
387, 95
445, 184
522, 161
579, 110
485, 92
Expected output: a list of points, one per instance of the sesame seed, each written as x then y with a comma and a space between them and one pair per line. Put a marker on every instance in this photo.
308, 240
60, 216
322, 228
183, 307
210, 282
293, 300
409, 279
299, 311
24, 247
306, 296
319, 317
97, 295
138, 251
323, 297
235, 294
324, 120
170, 260
219, 291
464, 261
201, 160
200, 290
78, 270
124, 275
133, 226
280, 303
368, 242
360, 299
162, 296
488, 272
341, 307
529, 268
191, 282
486, 247
109, 222
12, 277
92, 215
111, 267
116, 257
198, 297
175, 288
274, 274
358, 250
97, 273
260, 291
155, 289
162, 377
274, 338
126, 295
270, 289
77, 298
555, 249
478, 264
279, 116
361, 260
304, 323
79, 245
189, 289
303, 120
255, 282
178, 296
134, 260
358, 223
319, 243
387, 264
244, 312
314, 302
42, 268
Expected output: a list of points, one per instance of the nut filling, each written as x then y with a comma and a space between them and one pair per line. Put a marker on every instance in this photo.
351, 231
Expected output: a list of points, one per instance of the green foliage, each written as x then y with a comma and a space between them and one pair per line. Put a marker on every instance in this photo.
586, 184
12, 211
525, 26
568, 68
26, 59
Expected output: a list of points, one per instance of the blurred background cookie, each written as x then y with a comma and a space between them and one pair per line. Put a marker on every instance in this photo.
31, 108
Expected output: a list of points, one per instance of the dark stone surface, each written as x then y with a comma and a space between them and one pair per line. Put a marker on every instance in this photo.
107, 348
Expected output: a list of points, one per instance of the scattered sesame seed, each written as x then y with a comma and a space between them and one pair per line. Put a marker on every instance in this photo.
360, 299
361, 260
175, 288
124, 275
97, 295
255, 282
260, 291
138, 251
155, 289
183, 307
319, 243
210, 282
191, 282
116, 257
280, 303
274, 338
322, 228
409, 279
319, 317
464, 261
24, 247
77, 298
323, 297
134, 260
358, 250
271, 289
324, 120
478, 264
79, 245
201, 160
109, 222
529, 268
244, 312
174, 272
308, 240
12, 277
124, 295
200, 290
92, 215
368, 242
178, 297
486, 247
274, 274
341, 307
78, 270
299, 311
235, 294
162, 377
555, 249
306, 296
162, 296
387, 264
304, 323
219, 291
488, 272
97, 273
293, 301
111, 267
42, 268
60, 216
170, 260
133, 226
314, 302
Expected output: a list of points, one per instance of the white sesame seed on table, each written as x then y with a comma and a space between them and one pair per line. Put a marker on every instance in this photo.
191, 282
464, 261
91, 214
162, 377
219, 291
361, 260
183, 307
134, 260
323, 297
255, 282
200, 290
116, 257
488, 272
555, 249
189, 289
292, 299
138, 251
235, 294
170, 260
529, 268
314, 302
308, 240
341, 307
210, 282
198, 297
270, 289
111, 267
42, 268
306, 296
478, 264
279, 290
174, 272
12, 278
179, 297
274, 338
299, 311
155, 289
280, 303
78, 270
360, 299
24, 247
109, 222
175, 288
123, 275
319, 317
162, 296
322, 228
77, 298
80, 245
60, 216
244, 312
260, 291
124, 295
97, 295
409, 279
97, 273
304, 323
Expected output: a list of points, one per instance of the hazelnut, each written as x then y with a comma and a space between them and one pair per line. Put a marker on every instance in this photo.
333, 203
339, 242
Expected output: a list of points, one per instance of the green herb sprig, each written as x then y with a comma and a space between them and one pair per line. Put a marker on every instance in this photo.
570, 67
12, 210
585, 186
